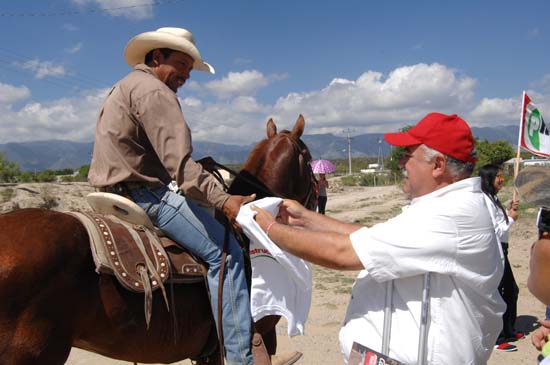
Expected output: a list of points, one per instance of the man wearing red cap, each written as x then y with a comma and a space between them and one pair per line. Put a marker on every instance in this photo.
446, 231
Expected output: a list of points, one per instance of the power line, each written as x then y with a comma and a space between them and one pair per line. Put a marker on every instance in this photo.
75, 12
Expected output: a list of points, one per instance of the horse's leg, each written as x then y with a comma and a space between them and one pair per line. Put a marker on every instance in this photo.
42, 287
266, 327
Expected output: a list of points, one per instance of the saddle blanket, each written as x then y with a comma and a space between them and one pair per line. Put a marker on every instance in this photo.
281, 282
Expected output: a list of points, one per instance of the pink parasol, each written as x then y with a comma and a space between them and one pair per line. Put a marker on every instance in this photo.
322, 167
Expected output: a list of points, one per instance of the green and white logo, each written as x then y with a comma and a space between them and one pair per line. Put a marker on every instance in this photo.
534, 122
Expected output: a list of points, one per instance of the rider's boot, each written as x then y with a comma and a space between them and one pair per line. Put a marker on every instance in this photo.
287, 358
259, 352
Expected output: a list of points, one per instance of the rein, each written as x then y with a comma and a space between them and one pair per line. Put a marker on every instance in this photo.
302, 149
309, 200
249, 181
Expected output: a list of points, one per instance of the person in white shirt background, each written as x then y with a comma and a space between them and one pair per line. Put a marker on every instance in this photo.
492, 181
446, 231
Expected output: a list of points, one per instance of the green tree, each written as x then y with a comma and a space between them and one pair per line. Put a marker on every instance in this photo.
45, 176
496, 152
26, 177
83, 173
66, 171
8, 170
395, 156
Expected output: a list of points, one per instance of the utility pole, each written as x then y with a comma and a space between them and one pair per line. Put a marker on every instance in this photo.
348, 132
380, 160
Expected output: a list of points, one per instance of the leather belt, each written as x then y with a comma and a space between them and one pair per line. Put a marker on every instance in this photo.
125, 188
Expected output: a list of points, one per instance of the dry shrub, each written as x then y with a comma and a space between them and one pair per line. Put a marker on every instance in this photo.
50, 202
6, 195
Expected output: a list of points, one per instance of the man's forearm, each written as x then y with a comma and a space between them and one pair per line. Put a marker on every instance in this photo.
329, 249
322, 223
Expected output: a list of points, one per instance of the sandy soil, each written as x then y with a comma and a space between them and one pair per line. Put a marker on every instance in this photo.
367, 205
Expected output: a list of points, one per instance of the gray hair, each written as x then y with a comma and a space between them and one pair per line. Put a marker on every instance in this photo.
458, 169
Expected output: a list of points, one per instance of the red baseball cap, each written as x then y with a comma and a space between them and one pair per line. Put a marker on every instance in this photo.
448, 134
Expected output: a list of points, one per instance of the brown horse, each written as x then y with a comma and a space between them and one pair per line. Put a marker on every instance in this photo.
254, 177
51, 299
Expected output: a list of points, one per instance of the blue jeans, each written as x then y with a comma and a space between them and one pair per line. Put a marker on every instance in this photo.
190, 226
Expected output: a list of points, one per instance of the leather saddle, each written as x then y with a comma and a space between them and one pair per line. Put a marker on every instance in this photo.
126, 244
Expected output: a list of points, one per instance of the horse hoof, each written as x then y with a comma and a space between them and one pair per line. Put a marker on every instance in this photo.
286, 359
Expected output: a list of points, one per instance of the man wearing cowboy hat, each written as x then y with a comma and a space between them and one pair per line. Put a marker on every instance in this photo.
142, 143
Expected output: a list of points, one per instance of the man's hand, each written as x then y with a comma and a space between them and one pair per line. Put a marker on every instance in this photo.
262, 217
233, 204
540, 336
292, 213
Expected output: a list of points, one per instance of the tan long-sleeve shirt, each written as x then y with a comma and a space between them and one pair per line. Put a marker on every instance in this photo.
141, 136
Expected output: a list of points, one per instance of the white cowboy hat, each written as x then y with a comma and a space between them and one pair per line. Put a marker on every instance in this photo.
178, 39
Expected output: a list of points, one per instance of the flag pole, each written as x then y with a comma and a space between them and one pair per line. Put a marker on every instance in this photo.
516, 165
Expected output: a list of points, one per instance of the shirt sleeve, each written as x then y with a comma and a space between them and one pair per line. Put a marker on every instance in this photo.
162, 119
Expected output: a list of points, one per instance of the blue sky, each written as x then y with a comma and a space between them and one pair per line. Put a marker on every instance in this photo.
369, 66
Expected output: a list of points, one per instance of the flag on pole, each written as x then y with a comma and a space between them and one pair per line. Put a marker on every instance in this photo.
534, 134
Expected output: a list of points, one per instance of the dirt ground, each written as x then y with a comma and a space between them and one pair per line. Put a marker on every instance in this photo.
366, 205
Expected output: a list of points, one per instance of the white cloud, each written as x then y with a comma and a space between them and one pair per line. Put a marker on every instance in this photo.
496, 111
246, 83
192, 102
125, 8
70, 27
376, 103
67, 119
501, 111
239, 121
43, 69
74, 49
373, 102
10, 94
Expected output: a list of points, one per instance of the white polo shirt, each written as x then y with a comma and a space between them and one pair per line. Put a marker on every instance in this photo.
449, 233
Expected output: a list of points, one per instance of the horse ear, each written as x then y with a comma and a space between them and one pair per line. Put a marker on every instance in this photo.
271, 128
298, 127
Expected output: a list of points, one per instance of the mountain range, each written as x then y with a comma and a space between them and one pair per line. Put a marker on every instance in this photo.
58, 154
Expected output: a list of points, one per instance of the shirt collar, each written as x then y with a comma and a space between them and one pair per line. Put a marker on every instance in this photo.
144, 68
472, 184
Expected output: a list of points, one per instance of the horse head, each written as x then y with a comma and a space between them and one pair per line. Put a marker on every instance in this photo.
280, 164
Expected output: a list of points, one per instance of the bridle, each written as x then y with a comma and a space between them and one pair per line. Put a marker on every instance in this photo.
310, 200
